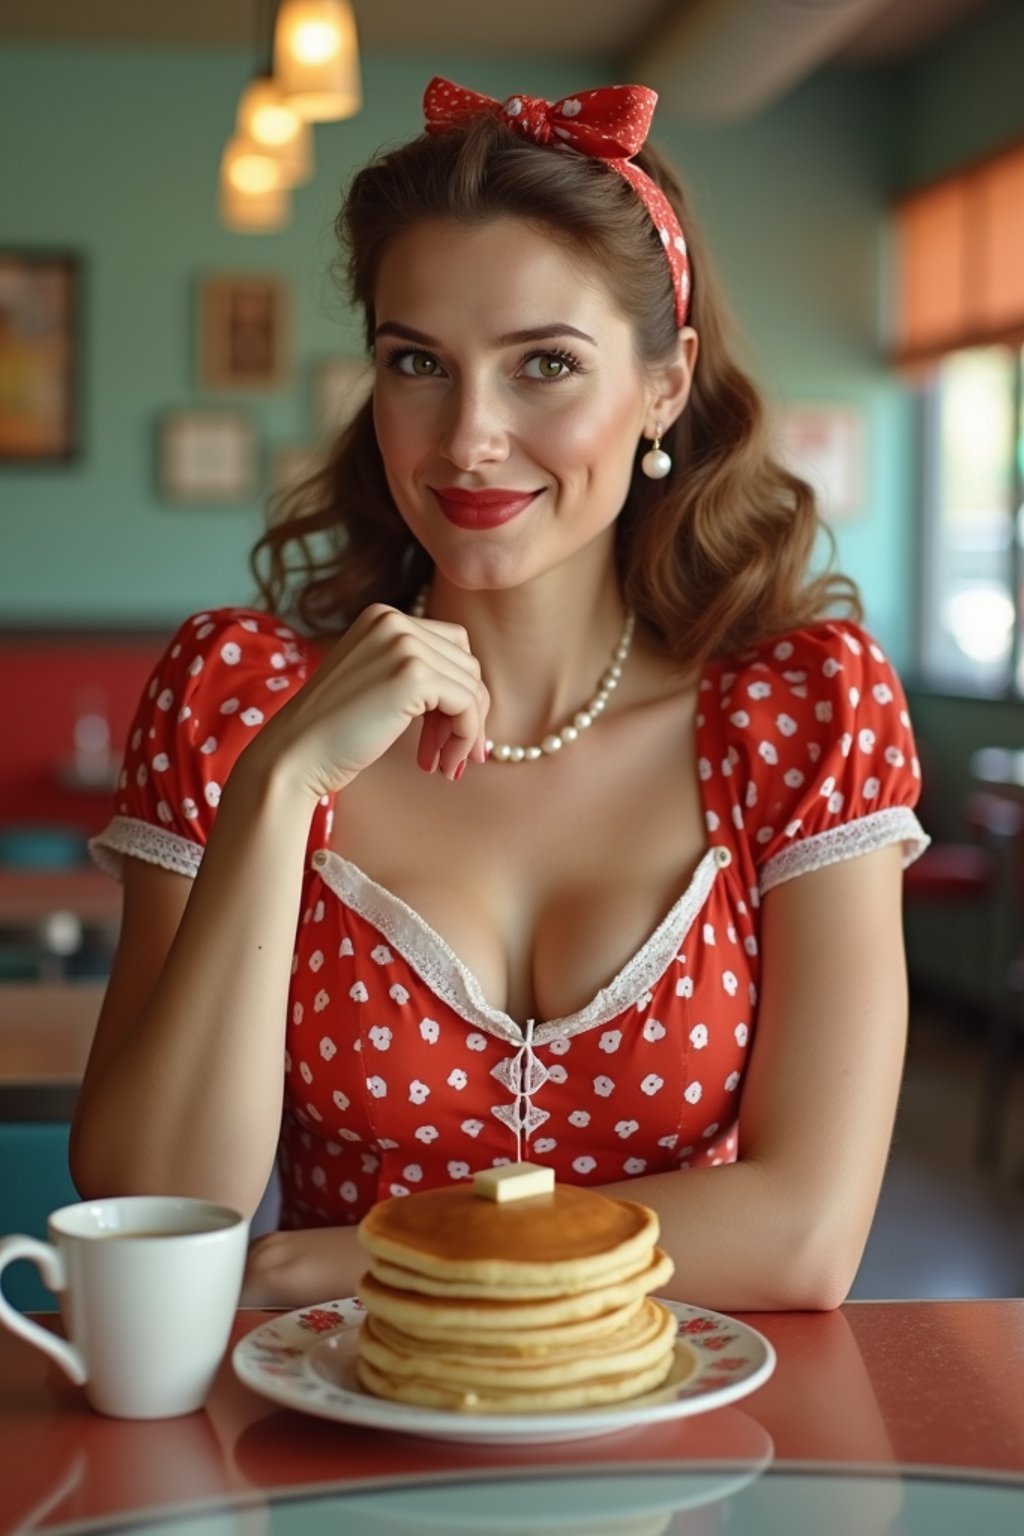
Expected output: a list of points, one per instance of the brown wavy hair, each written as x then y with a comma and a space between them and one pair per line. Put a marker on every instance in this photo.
712, 558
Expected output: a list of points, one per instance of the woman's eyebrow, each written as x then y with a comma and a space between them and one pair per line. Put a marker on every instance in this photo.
510, 339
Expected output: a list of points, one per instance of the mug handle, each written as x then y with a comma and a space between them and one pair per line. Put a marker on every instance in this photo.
48, 1261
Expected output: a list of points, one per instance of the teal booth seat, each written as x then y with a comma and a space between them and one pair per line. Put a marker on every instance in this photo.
34, 1180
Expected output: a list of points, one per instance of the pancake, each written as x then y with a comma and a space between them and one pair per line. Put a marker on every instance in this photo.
533, 1304
562, 1240
434, 1315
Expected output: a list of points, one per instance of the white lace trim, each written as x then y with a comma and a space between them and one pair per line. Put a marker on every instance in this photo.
423, 948
897, 824
155, 845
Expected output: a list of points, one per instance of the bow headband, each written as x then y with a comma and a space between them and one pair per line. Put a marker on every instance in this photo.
610, 123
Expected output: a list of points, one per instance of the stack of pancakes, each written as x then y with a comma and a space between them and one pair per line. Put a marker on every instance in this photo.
534, 1305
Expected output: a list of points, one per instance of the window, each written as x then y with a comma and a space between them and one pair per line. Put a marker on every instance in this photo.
972, 577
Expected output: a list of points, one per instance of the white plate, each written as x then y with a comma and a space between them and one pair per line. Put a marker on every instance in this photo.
306, 1360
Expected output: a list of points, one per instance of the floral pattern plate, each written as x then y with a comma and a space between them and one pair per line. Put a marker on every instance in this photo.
307, 1360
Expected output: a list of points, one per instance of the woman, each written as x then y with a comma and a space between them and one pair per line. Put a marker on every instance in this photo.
554, 548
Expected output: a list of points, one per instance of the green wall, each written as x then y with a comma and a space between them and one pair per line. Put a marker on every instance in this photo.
116, 156
113, 153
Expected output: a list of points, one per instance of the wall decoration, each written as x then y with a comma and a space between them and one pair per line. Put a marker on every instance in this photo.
243, 332
341, 386
207, 457
826, 445
39, 344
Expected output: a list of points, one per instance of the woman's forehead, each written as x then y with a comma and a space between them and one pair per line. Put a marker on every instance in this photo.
500, 267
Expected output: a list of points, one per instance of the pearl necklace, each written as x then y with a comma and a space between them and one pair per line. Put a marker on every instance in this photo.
582, 720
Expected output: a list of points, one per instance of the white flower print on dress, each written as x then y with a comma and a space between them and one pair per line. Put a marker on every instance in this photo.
430, 1029
316, 960
653, 1030
358, 993
328, 1049
732, 1082
380, 1037
341, 1100
381, 954
741, 1034
377, 1087
560, 1047
684, 986
472, 1127
699, 1036
786, 725
476, 1042
345, 948
457, 1078
251, 716
603, 1087
871, 788
730, 983
634, 1165
544, 1144
305, 1072
626, 1128
557, 1074
231, 653
652, 1084
457, 1170
580, 1118
398, 1190
413, 1172
398, 995
584, 1165
369, 1162
418, 1092
693, 1093
610, 1041
349, 1192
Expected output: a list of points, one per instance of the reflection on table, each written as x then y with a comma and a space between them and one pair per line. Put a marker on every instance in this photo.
882, 1417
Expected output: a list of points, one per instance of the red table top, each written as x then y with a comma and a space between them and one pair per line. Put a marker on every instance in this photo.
893, 1386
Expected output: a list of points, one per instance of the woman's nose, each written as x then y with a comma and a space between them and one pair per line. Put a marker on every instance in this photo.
473, 431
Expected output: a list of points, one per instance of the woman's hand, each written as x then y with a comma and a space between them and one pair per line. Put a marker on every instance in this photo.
296, 1269
386, 672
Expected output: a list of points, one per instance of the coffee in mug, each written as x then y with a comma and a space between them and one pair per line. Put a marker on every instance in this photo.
148, 1288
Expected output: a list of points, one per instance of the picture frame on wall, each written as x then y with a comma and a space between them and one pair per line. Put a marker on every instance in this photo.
207, 457
826, 445
243, 341
341, 385
40, 341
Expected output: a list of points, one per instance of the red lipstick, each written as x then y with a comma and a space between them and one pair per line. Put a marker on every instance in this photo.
481, 509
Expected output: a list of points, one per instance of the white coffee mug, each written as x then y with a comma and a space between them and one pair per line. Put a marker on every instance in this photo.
148, 1288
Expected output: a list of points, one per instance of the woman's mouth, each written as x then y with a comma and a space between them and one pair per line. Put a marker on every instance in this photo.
481, 509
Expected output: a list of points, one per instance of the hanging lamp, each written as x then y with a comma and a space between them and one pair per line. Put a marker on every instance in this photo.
316, 58
253, 195
271, 125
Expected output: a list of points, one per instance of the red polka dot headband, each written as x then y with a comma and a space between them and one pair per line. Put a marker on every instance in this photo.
610, 123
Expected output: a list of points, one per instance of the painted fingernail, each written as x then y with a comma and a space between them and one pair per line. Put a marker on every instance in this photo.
460, 770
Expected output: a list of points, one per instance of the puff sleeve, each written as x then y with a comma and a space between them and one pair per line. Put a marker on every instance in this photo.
813, 758
223, 674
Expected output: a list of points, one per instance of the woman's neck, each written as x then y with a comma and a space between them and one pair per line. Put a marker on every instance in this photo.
542, 650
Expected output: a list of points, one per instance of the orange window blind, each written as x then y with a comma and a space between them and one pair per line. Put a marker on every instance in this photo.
959, 269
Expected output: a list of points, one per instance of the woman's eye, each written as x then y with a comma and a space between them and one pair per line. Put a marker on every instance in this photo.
418, 365
547, 366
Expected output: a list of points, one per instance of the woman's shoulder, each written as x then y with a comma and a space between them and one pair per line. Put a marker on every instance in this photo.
804, 733
830, 670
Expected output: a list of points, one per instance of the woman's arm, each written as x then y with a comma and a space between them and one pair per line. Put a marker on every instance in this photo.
783, 1228
183, 1088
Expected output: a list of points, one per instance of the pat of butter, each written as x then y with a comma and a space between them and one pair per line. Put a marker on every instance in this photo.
514, 1181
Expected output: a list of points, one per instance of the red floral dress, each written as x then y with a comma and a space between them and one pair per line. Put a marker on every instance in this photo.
400, 1075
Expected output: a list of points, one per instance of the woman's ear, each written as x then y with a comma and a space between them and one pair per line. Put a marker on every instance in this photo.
671, 384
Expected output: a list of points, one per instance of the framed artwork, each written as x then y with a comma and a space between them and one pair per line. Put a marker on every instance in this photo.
243, 332
341, 386
207, 457
40, 307
826, 445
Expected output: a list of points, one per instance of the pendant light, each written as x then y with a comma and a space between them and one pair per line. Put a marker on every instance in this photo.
271, 125
316, 58
253, 195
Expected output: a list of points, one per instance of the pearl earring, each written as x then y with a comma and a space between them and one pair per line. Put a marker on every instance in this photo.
656, 463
